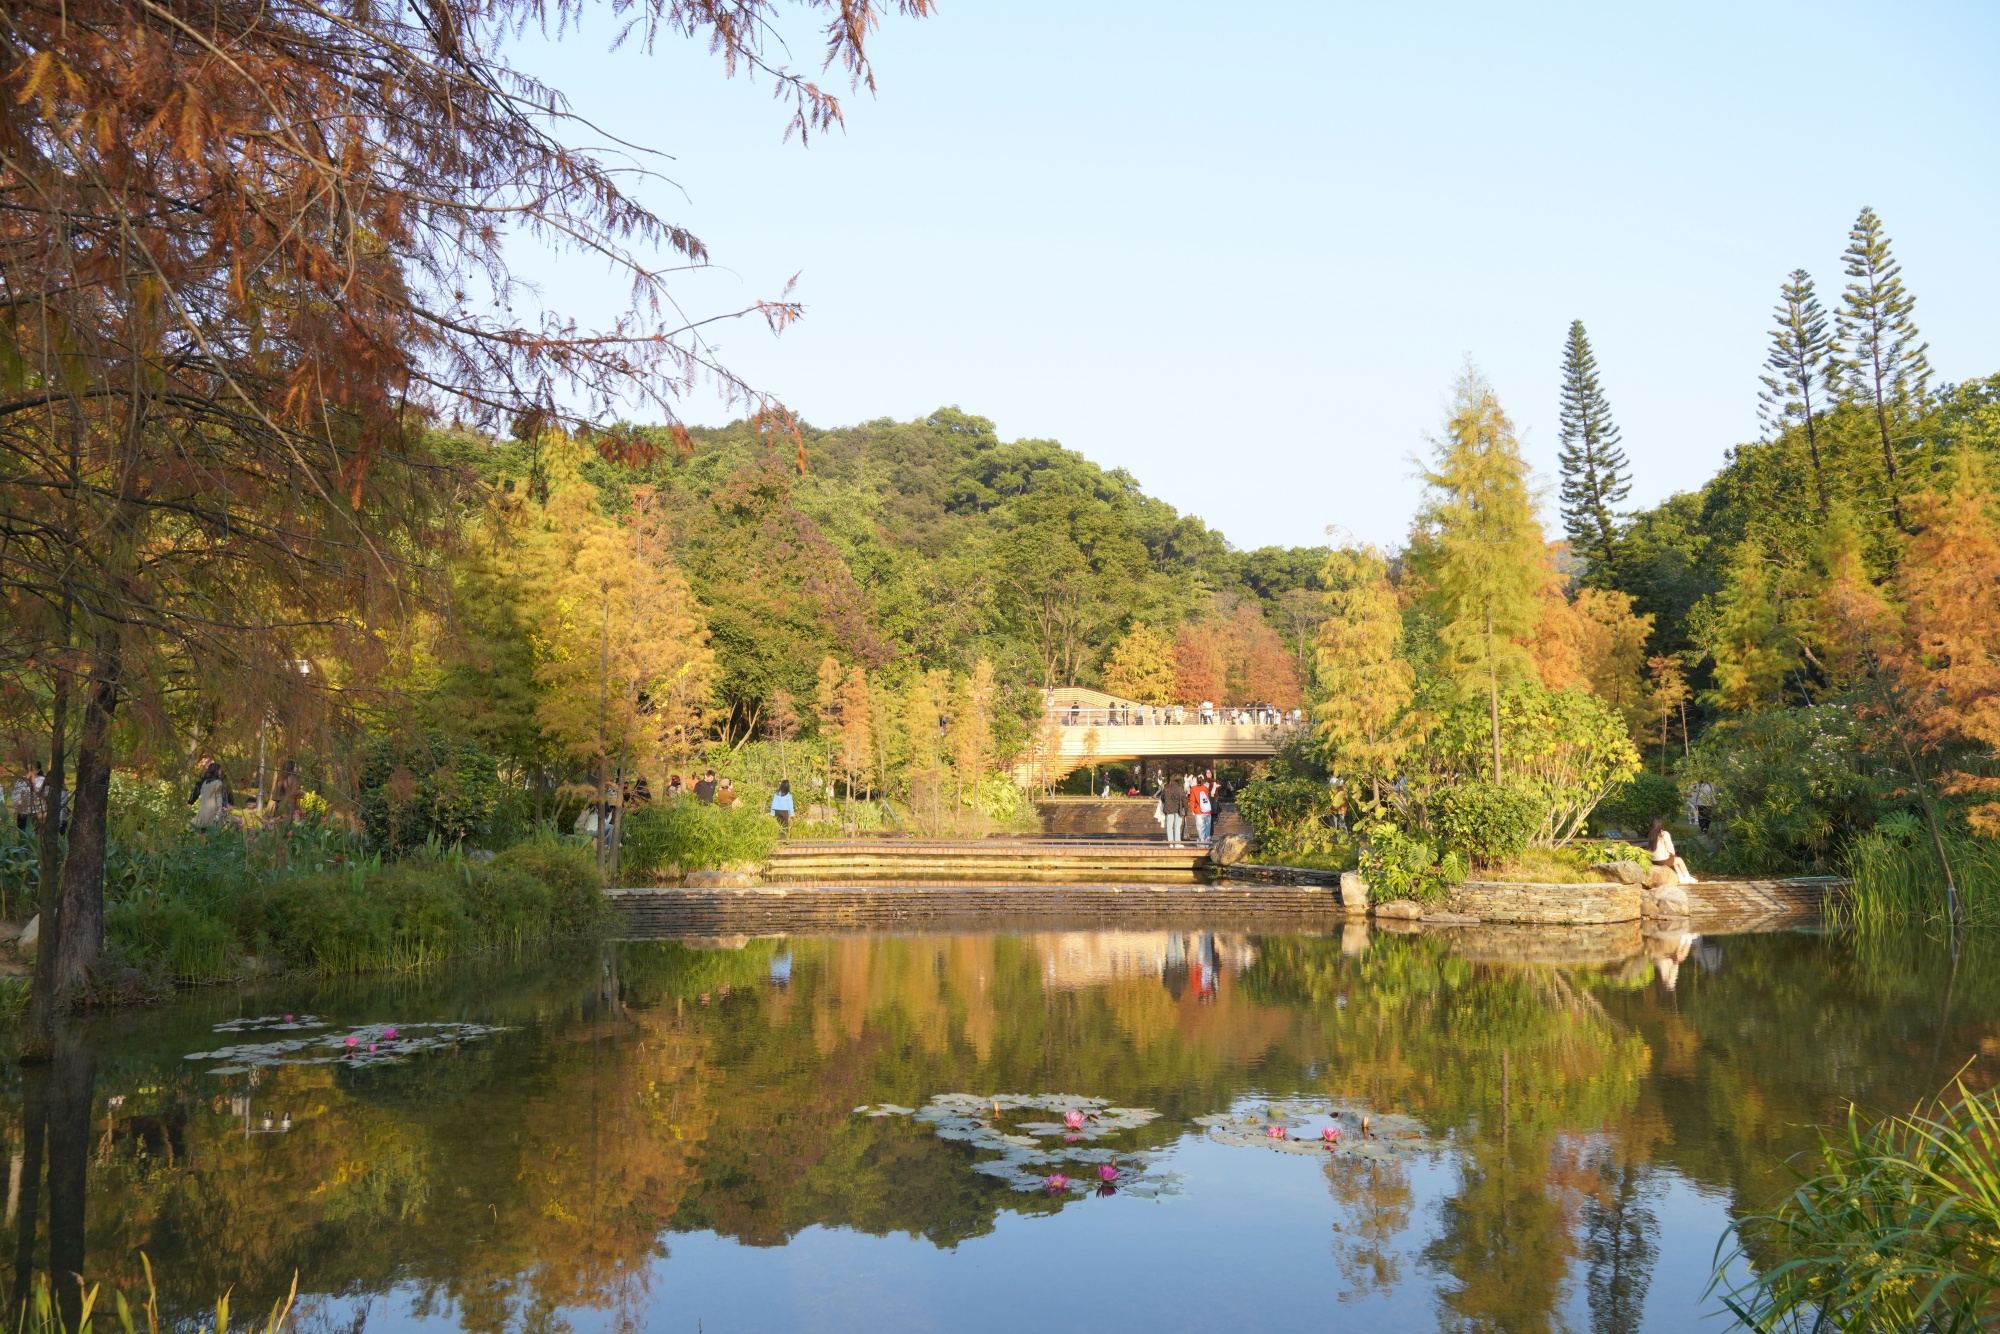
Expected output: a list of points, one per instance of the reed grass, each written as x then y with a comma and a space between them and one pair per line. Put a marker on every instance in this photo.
44, 1312
1897, 1231
1897, 878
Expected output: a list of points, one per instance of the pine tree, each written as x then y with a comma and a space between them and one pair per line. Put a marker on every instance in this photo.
1596, 477
1804, 361
1481, 547
1886, 369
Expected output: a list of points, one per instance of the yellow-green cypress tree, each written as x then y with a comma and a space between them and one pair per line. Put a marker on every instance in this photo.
1481, 548
1366, 683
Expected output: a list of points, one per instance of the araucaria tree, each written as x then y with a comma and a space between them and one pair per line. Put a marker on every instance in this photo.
249, 250
1884, 368
1801, 371
1595, 475
1480, 547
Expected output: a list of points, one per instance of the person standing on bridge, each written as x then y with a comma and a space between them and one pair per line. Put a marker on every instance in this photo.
1173, 807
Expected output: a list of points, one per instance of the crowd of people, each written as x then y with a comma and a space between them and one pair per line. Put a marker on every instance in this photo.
1204, 714
1188, 803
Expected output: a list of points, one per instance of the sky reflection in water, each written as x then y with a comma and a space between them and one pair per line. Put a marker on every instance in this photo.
667, 1134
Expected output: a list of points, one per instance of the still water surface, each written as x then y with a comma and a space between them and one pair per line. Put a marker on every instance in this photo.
664, 1136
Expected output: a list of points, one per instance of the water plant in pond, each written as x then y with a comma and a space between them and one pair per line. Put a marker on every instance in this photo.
1032, 1153
1383, 1135
1899, 1229
374, 1044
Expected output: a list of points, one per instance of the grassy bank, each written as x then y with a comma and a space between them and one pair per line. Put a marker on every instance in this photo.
209, 908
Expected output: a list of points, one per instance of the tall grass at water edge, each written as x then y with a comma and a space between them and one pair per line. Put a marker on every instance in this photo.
1897, 878
45, 1312
1897, 1229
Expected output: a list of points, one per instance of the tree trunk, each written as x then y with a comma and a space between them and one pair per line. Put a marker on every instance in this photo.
81, 940
73, 1083
1493, 692
1812, 444
27, 1220
38, 1039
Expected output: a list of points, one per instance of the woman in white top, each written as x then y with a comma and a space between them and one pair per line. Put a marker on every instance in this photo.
1668, 868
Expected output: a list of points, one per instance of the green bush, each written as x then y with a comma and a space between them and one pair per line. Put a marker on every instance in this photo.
430, 789
174, 939
1634, 805
1490, 823
1289, 815
695, 837
1400, 864
1791, 789
1563, 747
576, 890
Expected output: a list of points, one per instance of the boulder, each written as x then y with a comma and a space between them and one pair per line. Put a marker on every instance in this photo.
1667, 901
1400, 910
1353, 893
30, 934
1623, 873
1229, 849
719, 880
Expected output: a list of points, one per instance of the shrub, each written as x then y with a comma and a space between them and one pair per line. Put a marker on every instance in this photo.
433, 788
1490, 823
576, 890
1634, 804
1289, 815
1399, 864
1789, 786
1563, 747
696, 837
1896, 875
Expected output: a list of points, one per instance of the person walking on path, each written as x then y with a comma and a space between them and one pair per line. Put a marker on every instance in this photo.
210, 797
1173, 803
704, 789
27, 797
781, 807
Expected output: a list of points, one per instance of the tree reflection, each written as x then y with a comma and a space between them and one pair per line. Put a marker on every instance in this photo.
666, 1088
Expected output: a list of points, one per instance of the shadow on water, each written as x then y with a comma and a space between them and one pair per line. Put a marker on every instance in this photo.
646, 1095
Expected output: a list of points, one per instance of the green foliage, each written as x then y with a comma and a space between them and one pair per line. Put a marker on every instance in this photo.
1290, 816
1634, 804
1564, 748
1790, 785
695, 837
432, 787
1400, 864
1489, 823
1897, 1230
1897, 877
1596, 477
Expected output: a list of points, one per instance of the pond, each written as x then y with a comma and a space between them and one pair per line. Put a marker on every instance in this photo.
761, 1134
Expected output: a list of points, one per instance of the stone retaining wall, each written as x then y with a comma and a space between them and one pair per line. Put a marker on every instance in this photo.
1498, 901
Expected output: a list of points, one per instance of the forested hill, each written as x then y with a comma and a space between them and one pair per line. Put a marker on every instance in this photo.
913, 546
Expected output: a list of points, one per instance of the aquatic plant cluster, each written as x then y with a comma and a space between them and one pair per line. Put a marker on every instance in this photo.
371, 1044
1319, 1126
1032, 1154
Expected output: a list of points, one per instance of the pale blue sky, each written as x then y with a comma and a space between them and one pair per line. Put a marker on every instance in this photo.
1243, 251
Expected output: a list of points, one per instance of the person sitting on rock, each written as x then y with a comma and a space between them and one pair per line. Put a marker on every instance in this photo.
1668, 868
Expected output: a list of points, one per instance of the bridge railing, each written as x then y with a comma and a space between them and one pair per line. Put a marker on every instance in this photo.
1150, 715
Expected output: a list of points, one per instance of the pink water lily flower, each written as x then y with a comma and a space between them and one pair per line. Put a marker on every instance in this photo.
1331, 1134
353, 1041
1107, 1172
390, 1032
1058, 1182
371, 1046
1073, 1119
288, 1019
1275, 1132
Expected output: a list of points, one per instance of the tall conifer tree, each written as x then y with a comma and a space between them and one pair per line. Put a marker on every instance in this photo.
1481, 547
1595, 475
1885, 369
1804, 362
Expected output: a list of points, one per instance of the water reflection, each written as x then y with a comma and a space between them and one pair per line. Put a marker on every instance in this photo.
653, 1097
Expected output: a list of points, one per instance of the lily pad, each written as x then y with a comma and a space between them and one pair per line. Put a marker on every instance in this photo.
1030, 1154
